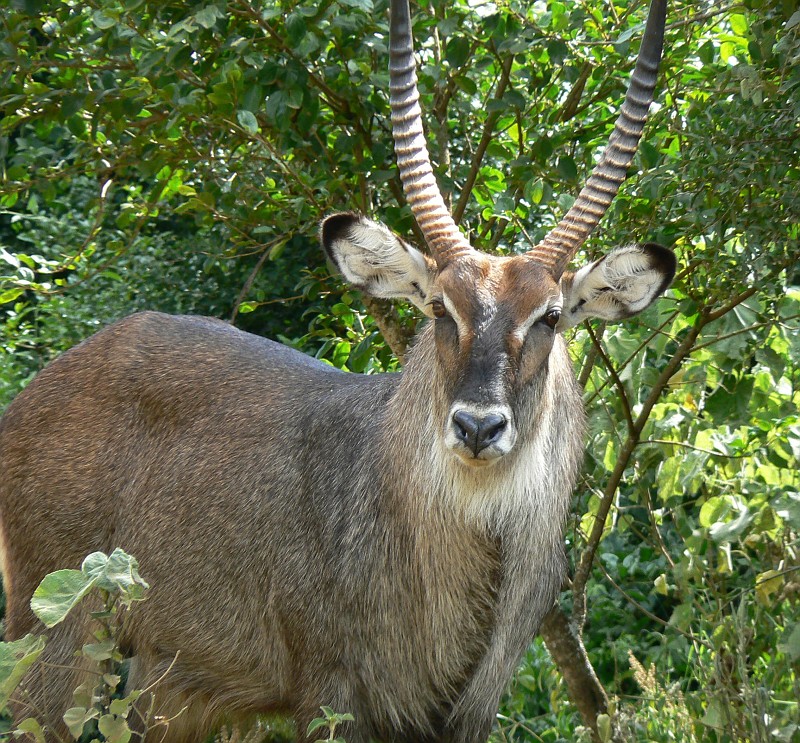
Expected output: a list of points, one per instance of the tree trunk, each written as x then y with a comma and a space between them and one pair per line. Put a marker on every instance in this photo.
565, 646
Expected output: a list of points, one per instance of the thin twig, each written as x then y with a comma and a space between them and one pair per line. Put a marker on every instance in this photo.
656, 531
650, 614
248, 284
684, 445
486, 138
623, 394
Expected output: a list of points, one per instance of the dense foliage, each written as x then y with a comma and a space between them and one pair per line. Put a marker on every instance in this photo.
179, 155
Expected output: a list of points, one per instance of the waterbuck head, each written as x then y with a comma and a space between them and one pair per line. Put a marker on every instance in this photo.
497, 319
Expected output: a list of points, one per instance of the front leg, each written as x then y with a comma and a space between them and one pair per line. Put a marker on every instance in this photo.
474, 715
528, 591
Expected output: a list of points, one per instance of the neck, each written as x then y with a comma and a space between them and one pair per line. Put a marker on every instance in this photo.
531, 485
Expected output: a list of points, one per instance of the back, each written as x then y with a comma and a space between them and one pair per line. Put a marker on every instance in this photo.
155, 419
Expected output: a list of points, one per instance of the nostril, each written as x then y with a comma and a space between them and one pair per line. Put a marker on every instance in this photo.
466, 426
491, 429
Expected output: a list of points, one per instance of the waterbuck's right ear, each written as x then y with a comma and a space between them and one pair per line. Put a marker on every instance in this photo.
375, 260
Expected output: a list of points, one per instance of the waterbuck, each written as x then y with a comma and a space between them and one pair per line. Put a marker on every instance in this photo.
387, 545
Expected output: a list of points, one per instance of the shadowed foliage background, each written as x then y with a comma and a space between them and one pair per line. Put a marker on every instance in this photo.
179, 156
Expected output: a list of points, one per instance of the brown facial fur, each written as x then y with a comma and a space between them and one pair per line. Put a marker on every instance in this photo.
480, 342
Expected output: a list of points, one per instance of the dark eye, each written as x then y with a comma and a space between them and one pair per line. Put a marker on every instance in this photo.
551, 317
438, 309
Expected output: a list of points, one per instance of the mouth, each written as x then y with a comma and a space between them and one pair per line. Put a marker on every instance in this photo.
469, 459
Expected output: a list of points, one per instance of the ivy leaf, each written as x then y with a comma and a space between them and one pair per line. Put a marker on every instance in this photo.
15, 659
76, 717
118, 573
99, 651
115, 729
31, 727
58, 593
247, 121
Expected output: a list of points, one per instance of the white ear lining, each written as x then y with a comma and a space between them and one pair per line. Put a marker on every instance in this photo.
633, 278
621, 284
375, 260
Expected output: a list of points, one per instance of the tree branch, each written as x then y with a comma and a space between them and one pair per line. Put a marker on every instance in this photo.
486, 138
565, 645
587, 558
623, 395
394, 331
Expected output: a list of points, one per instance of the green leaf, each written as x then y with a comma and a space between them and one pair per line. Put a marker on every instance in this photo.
725, 517
731, 530
9, 295
118, 573
714, 509
208, 16
71, 104
315, 724
114, 728
103, 20
768, 583
788, 508
98, 651
15, 659
76, 717
714, 716
31, 727
94, 564
247, 121
295, 29
457, 51
10, 258
58, 593
534, 190
604, 727
365, 5
682, 616
567, 168
790, 644
738, 24
83, 696
120, 706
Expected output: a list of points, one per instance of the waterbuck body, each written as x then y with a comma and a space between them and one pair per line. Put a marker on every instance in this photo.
387, 545
268, 497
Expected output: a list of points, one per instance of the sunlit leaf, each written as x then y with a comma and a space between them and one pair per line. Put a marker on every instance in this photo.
58, 593
15, 659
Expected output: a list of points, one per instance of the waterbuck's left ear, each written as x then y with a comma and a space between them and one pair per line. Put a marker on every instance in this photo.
623, 283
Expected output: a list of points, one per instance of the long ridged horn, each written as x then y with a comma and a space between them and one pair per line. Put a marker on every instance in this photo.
444, 239
564, 240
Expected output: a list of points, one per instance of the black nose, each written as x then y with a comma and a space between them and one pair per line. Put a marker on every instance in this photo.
478, 433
